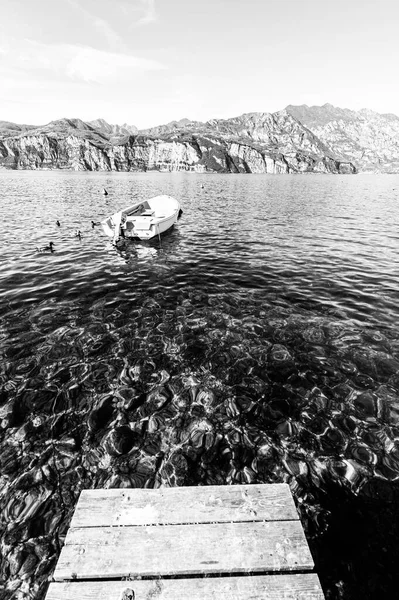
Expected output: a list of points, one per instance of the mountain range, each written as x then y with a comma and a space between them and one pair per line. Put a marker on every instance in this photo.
298, 139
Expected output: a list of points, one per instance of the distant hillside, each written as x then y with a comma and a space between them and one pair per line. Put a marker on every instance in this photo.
115, 132
250, 143
63, 127
7, 128
368, 139
171, 127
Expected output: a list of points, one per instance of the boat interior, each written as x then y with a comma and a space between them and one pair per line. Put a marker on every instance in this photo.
140, 210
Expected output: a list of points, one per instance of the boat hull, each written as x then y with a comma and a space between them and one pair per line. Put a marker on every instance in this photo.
143, 220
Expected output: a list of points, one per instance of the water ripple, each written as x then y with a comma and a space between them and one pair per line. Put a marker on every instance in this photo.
257, 343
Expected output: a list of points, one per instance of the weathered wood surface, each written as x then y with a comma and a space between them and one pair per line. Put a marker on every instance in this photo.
272, 502
181, 539
111, 552
260, 587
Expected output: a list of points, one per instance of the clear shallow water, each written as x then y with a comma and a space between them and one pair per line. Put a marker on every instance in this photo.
258, 342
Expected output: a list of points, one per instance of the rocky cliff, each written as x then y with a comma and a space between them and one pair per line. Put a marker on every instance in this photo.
251, 143
367, 139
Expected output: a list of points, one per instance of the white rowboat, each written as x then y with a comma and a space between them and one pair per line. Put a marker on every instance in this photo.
143, 220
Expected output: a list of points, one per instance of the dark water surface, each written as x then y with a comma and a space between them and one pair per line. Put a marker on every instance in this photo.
259, 342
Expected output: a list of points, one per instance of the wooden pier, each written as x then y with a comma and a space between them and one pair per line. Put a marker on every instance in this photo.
241, 542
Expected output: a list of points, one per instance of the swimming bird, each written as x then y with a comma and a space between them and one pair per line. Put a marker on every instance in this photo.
46, 248
105, 192
58, 224
78, 234
94, 223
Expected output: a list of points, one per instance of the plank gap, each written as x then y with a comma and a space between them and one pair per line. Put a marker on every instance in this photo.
212, 575
123, 525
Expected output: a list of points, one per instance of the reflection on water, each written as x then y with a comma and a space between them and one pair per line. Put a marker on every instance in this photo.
256, 342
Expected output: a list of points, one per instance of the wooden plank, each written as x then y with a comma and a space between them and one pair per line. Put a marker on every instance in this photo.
203, 504
259, 587
114, 552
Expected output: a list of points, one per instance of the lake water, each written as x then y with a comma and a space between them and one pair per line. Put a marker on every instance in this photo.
257, 342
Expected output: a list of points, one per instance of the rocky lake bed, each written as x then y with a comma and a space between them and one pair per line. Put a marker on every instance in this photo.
256, 343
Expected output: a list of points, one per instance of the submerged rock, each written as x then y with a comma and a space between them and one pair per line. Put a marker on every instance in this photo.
101, 415
121, 440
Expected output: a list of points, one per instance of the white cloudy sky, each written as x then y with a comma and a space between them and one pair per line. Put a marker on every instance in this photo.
147, 62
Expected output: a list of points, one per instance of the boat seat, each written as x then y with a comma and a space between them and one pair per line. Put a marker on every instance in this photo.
142, 223
147, 213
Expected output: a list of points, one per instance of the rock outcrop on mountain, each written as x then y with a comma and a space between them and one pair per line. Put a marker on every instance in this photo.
114, 132
367, 139
251, 143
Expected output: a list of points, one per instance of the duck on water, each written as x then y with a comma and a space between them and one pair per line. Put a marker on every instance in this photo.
48, 248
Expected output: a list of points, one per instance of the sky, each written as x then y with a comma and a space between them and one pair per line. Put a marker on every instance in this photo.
148, 62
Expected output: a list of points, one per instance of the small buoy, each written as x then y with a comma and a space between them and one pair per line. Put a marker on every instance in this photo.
58, 224
105, 192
